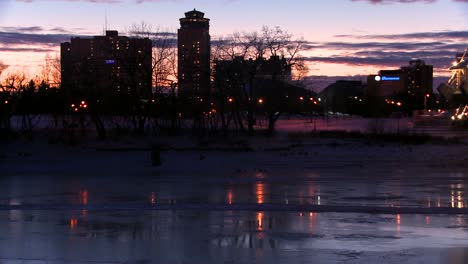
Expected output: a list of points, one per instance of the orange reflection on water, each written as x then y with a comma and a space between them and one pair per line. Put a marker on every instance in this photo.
230, 196
260, 221
73, 223
260, 192
452, 198
456, 197
84, 197
398, 221
460, 200
312, 221
153, 198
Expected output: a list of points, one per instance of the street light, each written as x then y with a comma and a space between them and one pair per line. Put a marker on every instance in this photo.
260, 100
425, 101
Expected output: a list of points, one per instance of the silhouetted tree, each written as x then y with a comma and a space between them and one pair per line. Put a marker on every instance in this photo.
163, 65
51, 70
267, 54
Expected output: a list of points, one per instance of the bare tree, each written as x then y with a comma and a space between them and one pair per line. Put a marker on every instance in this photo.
5, 110
51, 70
14, 81
2, 67
164, 54
254, 49
163, 60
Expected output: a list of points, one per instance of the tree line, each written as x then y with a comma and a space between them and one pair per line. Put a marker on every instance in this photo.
243, 90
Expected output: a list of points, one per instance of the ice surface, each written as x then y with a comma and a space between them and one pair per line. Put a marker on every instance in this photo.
320, 201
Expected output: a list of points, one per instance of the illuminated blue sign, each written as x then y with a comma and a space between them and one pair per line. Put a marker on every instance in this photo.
110, 61
390, 78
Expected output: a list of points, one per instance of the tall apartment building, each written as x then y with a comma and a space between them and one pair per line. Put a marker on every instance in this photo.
107, 66
193, 46
420, 78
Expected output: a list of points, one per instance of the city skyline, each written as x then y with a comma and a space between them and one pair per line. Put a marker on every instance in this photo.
360, 37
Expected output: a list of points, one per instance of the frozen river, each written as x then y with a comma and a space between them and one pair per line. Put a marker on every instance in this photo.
321, 203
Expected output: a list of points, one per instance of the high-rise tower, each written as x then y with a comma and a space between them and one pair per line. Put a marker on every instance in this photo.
101, 67
194, 55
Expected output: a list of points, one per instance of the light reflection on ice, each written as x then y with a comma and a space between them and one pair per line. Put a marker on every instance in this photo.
260, 192
230, 196
153, 198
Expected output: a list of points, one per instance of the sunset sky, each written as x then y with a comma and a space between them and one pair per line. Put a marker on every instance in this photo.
346, 37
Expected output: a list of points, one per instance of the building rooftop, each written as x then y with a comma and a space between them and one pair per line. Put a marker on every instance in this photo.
194, 14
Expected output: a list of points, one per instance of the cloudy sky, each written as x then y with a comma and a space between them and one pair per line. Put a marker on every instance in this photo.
345, 37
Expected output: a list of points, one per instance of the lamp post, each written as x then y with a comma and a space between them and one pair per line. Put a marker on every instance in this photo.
425, 101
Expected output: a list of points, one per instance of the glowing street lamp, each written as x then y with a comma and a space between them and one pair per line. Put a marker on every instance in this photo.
425, 100
260, 100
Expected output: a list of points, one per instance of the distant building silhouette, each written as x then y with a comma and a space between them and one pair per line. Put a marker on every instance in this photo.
344, 97
271, 78
415, 79
408, 88
107, 66
387, 83
420, 78
194, 55
274, 68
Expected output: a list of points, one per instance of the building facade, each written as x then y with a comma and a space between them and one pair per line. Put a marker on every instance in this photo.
387, 83
406, 89
419, 78
414, 79
193, 46
102, 67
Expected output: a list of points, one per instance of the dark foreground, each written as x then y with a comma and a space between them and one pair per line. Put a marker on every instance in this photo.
321, 201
